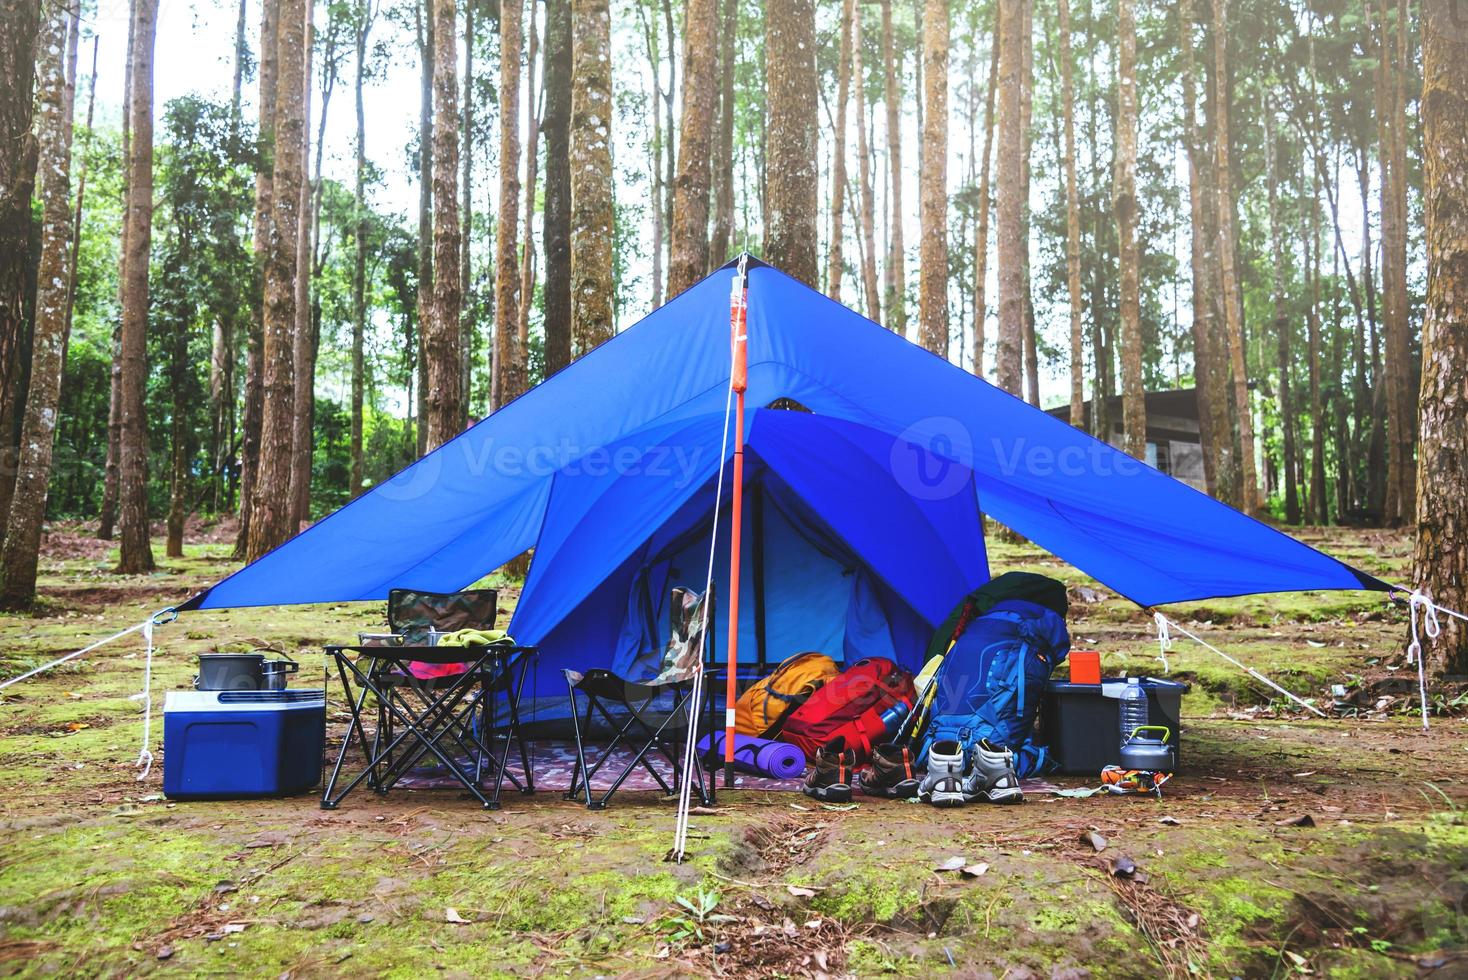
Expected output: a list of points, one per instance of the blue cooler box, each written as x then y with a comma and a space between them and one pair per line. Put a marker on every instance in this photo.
220, 745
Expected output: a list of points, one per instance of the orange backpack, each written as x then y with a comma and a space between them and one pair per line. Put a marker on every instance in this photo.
761, 708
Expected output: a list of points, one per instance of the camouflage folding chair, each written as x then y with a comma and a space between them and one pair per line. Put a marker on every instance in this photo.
638, 713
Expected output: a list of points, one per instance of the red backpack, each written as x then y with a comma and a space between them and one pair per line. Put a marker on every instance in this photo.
850, 706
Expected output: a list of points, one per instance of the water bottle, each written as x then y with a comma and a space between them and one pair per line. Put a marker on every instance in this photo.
893, 717
1133, 708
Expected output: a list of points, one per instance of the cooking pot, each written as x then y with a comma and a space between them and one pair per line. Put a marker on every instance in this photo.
273, 673
229, 672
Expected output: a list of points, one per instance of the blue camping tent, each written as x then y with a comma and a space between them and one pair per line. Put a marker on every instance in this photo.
870, 462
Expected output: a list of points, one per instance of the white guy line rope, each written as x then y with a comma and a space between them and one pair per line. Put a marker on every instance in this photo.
1239, 664
1421, 604
690, 752
1164, 640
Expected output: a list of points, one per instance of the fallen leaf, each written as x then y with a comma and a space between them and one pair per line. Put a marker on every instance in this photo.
1170, 821
973, 870
1303, 820
1123, 866
1097, 842
231, 928
702, 811
164, 952
800, 892
950, 864
839, 806
451, 914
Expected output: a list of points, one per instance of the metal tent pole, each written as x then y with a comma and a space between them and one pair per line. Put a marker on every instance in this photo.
738, 309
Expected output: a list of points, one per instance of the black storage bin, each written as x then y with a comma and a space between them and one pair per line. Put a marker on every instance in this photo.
1081, 723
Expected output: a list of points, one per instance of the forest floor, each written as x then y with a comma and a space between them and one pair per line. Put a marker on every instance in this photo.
1290, 844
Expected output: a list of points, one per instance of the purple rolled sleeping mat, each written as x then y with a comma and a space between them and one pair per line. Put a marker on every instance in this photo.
759, 756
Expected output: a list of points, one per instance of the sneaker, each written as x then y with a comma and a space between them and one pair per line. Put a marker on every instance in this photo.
943, 785
829, 779
991, 775
891, 773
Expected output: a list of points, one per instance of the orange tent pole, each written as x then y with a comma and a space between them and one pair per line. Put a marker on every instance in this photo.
738, 307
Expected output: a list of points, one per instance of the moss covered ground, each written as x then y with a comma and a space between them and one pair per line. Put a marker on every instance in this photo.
1291, 845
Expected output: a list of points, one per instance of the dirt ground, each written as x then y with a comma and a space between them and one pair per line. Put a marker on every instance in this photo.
1290, 845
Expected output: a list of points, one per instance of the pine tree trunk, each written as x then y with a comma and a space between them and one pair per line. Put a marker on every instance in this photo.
132, 472
1011, 205
933, 183
303, 355
690, 229
835, 253
254, 407
1227, 246
864, 178
506, 379
1318, 418
1396, 305
18, 558
427, 55
722, 235
467, 311
1026, 109
19, 20
655, 155
985, 206
592, 207
1209, 371
894, 272
532, 166
791, 174
1133, 395
1440, 562
556, 221
442, 398
1281, 325
1072, 225
270, 521
364, 12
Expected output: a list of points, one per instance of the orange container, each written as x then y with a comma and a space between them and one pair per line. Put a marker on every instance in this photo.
1085, 667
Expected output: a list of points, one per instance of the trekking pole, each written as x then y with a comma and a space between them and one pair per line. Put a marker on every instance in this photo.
909, 727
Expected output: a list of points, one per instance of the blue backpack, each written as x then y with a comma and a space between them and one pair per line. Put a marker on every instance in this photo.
990, 681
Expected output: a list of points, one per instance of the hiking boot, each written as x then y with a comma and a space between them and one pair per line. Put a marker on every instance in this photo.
991, 775
943, 785
890, 774
829, 779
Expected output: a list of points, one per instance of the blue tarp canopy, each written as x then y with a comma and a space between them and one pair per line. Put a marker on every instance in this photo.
870, 464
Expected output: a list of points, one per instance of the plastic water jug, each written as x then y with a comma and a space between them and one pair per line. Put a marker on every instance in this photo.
1133, 708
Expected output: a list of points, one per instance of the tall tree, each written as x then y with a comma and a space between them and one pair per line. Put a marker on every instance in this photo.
427, 53
791, 87
864, 177
1283, 346
303, 348
1072, 223
1396, 307
532, 166
254, 404
466, 220
1439, 561
22, 544
442, 398
1227, 245
136, 553
270, 517
1133, 396
835, 258
556, 220
985, 207
366, 12
1318, 424
506, 376
593, 217
722, 235
1011, 205
894, 273
1209, 369
933, 183
19, 20
690, 229
1026, 114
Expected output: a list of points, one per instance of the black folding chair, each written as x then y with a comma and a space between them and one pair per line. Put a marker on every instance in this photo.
651, 717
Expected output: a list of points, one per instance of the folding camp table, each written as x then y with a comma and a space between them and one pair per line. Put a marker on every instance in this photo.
416, 718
